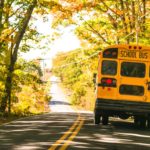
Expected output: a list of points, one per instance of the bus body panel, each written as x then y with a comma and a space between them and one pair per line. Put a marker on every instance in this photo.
134, 81
148, 82
115, 107
126, 89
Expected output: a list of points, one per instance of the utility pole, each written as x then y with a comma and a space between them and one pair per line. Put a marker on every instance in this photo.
43, 67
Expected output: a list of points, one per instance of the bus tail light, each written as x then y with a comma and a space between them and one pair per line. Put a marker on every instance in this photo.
109, 82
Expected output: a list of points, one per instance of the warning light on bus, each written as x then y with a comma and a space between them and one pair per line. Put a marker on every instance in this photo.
130, 47
135, 47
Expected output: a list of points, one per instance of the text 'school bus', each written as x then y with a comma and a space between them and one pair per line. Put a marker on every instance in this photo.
123, 84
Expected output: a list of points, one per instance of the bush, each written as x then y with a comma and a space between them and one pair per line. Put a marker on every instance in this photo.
79, 91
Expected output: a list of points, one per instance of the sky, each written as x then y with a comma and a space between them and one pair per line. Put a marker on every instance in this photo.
66, 42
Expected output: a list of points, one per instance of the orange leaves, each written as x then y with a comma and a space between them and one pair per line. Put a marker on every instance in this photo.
54, 9
78, 7
119, 12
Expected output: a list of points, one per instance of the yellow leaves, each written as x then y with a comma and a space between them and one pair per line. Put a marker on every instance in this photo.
6, 35
7, 32
54, 9
49, 3
30, 100
40, 11
7, 9
45, 1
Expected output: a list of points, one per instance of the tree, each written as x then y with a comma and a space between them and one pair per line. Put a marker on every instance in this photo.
106, 22
13, 47
116, 22
15, 32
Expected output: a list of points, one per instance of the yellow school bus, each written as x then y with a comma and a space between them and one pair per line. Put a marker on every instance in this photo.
123, 84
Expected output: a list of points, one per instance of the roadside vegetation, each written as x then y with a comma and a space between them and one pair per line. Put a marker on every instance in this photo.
76, 75
29, 92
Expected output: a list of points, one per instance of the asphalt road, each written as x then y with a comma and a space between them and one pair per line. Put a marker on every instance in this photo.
66, 128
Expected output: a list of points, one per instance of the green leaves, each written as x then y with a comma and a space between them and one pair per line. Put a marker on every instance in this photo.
76, 69
17, 34
108, 22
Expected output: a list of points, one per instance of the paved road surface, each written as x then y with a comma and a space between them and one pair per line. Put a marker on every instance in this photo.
59, 101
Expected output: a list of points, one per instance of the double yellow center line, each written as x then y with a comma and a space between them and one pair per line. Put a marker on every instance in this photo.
69, 135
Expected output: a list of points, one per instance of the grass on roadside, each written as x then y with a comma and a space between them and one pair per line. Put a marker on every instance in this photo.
7, 119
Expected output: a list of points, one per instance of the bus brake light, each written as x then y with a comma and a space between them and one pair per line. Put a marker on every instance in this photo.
109, 81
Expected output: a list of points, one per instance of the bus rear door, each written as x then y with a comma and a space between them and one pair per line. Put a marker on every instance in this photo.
132, 81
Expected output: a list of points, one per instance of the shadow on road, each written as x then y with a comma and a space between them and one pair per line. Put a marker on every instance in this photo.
36, 132
56, 102
40, 132
118, 135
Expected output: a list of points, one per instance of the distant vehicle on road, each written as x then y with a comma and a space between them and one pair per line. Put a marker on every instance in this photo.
123, 84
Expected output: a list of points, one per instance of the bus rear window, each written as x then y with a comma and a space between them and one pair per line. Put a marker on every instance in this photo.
131, 90
132, 69
109, 67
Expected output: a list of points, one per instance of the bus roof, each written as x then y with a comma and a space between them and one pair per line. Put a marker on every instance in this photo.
129, 46
127, 51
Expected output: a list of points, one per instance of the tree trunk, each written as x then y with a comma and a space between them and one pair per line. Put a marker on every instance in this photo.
1, 11
6, 100
144, 15
124, 21
1, 18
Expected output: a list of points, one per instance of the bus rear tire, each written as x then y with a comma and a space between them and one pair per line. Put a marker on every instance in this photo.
97, 119
105, 119
143, 122
148, 122
140, 121
136, 121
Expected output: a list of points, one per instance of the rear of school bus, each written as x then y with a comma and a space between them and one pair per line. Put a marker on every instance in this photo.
123, 84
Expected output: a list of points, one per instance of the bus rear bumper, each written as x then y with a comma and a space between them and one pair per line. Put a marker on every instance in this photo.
112, 107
